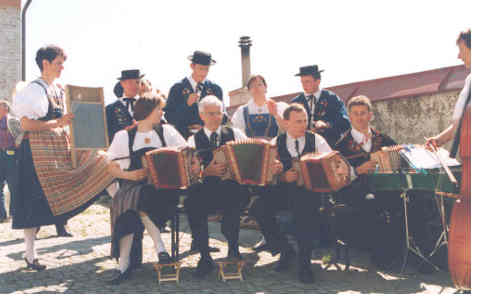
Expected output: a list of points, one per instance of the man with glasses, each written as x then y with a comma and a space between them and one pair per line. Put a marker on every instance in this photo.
214, 193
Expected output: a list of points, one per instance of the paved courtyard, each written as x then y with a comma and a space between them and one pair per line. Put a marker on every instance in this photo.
81, 264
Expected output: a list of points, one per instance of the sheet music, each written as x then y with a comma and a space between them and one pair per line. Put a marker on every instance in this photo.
421, 158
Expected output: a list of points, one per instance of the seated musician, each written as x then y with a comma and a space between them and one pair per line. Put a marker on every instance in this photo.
138, 205
296, 142
259, 117
356, 145
214, 193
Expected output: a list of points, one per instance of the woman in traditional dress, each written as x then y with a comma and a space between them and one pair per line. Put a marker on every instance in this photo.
138, 205
39, 107
260, 116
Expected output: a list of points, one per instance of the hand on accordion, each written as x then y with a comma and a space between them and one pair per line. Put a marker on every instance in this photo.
277, 167
290, 176
215, 169
366, 167
137, 175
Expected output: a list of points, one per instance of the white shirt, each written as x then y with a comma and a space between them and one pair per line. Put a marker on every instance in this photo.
130, 108
321, 145
317, 95
119, 145
359, 138
193, 83
459, 106
32, 101
238, 135
238, 120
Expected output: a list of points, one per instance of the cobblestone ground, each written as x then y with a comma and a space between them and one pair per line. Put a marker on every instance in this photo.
81, 264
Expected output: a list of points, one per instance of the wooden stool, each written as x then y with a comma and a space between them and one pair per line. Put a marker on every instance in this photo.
230, 275
174, 276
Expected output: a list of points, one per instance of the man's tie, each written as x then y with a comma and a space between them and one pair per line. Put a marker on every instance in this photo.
199, 88
311, 105
213, 139
297, 147
129, 103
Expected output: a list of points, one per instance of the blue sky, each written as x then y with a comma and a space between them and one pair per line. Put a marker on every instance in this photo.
351, 40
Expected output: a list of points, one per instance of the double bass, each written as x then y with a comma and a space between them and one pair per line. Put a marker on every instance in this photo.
459, 230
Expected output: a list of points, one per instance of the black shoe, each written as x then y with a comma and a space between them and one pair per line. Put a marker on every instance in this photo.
204, 267
64, 233
305, 274
122, 276
194, 248
35, 265
164, 258
286, 258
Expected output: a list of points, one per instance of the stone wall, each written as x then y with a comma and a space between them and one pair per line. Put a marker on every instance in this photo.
10, 50
409, 120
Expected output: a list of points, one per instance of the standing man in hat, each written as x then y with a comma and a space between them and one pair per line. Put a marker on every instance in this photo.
182, 104
119, 113
326, 112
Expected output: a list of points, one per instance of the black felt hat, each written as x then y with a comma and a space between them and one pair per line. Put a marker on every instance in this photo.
130, 74
201, 58
309, 70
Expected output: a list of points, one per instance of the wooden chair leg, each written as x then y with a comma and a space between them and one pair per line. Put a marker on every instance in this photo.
223, 275
162, 276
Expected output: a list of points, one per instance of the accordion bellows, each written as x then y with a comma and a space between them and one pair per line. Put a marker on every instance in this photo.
171, 168
388, 159
250, 161
325, 172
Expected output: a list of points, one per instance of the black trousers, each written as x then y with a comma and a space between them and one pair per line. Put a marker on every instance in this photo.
305, 207
209, 197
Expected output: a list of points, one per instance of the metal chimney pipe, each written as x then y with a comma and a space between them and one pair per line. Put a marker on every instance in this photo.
25, 8
245, 43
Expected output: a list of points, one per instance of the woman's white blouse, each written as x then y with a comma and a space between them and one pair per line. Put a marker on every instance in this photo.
119, 145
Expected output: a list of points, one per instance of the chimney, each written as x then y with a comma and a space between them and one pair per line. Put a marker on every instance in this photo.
244, 43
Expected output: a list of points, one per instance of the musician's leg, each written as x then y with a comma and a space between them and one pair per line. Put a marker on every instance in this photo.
273, 200
228, 198
197, 206
306, 212
30, 253
125, 245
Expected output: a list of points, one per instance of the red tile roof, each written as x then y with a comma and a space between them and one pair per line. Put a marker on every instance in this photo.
407, 85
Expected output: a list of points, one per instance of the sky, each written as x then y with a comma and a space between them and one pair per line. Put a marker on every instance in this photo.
351, 40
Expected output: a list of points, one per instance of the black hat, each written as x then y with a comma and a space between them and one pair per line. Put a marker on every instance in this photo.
118, 90
309, 70
201, 58
130, 74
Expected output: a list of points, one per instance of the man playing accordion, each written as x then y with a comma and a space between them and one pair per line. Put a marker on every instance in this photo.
304, 204
214, 193
356, 145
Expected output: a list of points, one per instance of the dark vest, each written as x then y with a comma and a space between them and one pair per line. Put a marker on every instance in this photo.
284, 155
203, 146
136, 156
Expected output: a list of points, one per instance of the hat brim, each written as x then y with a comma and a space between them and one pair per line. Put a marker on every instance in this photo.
301, 74
212, 62
140, 76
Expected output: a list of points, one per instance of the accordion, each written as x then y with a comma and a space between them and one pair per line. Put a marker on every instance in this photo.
324, 172
249, 161
171, 168
388, 159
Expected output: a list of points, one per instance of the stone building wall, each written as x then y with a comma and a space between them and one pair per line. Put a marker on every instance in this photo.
409, 120
10, 50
